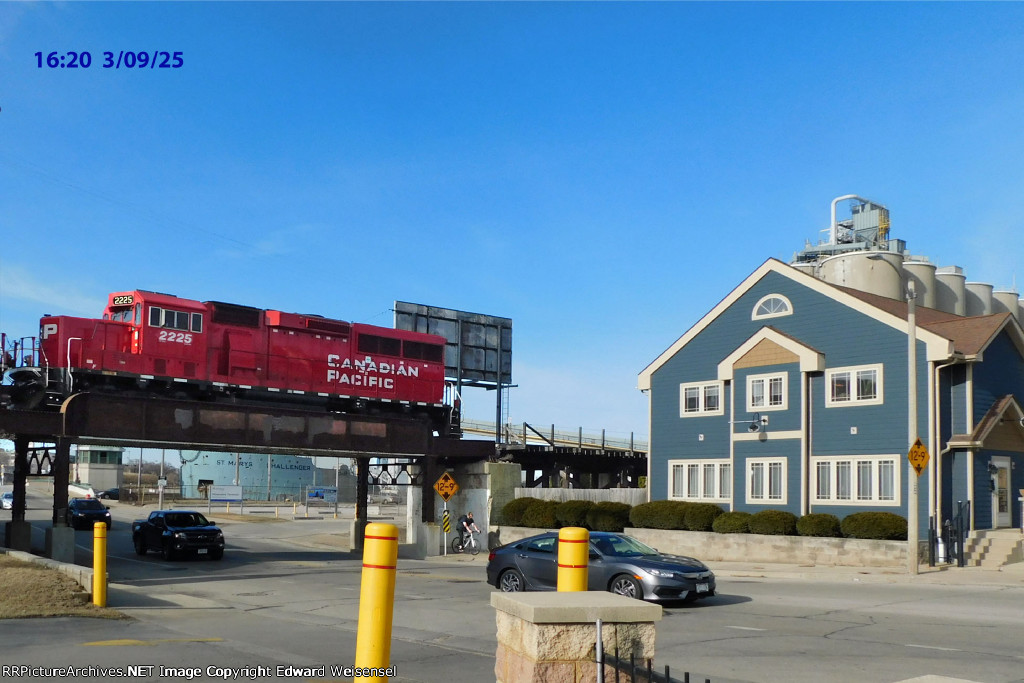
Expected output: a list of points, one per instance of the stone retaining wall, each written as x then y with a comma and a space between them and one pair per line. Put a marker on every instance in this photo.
82, 575
712, 547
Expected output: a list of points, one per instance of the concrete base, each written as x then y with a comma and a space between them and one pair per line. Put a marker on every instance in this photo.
19, 535
60, 544
356, 534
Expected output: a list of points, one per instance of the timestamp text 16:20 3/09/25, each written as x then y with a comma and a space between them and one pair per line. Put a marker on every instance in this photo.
127, 59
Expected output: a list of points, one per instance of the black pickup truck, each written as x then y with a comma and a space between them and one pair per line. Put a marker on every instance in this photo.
178, 532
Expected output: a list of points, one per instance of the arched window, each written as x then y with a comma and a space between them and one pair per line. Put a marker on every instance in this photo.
772, 306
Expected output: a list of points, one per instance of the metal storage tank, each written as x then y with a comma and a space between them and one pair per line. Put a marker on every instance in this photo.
1005, 301
808, 268
922, 274
979, 298
950, 290
875, 272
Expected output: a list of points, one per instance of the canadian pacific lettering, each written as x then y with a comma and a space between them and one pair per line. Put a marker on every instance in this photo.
367, 372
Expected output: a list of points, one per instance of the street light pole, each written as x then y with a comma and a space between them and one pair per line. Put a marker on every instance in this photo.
912, 532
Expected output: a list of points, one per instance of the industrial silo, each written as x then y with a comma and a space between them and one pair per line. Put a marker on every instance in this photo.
875, 272
922, 274
1005, 301
808, 268
979, 298
951, 290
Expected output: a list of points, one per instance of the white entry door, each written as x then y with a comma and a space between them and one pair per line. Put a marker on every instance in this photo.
1001, 492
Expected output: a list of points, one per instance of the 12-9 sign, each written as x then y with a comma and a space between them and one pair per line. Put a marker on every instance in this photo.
918, 457
446, 486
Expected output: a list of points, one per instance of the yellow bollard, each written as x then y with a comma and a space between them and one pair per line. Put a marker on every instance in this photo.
277, 512
573, 555
99, 564
227, 508
377, 598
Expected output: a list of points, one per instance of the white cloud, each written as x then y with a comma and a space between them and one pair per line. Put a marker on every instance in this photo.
19, 285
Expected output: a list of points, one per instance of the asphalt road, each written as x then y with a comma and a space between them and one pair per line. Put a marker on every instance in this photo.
276, 600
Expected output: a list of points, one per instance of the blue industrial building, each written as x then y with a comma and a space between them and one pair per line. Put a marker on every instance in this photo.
792, 392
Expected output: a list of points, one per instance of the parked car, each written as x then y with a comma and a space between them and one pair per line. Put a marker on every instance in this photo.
7, 500
83, 513
618, 563
175, 532
112, 494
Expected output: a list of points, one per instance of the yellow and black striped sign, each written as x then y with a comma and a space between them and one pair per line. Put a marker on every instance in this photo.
446, 522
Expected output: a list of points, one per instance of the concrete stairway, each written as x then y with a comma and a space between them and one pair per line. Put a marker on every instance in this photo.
994, 547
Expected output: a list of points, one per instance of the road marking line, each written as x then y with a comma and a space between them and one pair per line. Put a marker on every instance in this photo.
129, 641
747, 628
933, 647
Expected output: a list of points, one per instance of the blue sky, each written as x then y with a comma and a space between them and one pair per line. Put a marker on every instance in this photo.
603, 174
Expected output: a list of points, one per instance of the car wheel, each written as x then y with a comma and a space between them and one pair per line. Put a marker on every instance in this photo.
217, 554
628, 586
167, 552
511, 581
140, 546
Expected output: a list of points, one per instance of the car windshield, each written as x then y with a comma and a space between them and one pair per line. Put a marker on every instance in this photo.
89, 504
621, 546
186, 519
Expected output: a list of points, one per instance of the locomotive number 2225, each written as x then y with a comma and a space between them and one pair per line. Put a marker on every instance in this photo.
177, 337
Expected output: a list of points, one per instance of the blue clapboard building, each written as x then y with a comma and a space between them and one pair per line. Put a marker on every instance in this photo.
792, 392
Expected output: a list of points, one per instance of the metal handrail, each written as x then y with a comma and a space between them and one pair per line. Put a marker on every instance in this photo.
524, 434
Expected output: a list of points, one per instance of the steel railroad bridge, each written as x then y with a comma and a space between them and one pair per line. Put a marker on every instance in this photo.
95, 418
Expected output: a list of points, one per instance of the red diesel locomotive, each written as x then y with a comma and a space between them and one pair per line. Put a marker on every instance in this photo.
167, 345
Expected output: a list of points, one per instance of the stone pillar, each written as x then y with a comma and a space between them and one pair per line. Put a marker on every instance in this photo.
414, 508
553, 636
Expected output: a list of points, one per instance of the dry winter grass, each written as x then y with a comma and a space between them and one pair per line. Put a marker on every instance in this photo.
32, 590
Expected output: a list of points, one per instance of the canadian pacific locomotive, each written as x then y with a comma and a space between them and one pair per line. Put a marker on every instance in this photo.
166, 345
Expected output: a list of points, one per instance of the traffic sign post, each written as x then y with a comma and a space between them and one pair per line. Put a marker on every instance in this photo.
446, 486
918, 457
446, 526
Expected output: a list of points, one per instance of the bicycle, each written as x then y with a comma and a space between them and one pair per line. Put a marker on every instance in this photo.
470, 544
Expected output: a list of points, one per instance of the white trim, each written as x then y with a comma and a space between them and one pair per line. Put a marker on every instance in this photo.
718, 463
853, 501
937, 347
748, 482
810, 360
702, 388
767, 435
767, 378
778, 314
854, 400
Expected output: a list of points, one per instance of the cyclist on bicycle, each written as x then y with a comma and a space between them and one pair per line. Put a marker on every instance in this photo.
466, 527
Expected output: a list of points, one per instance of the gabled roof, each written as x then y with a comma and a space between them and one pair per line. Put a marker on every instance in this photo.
939, 347
970, 335
1002, 410
810, 359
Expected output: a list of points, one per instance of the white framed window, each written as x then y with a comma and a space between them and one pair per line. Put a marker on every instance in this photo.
701, 399
766, 481
767, 392
856, 480
704, 480
772, 306
859, 385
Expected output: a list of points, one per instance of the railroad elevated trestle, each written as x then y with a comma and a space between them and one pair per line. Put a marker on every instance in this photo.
89, 418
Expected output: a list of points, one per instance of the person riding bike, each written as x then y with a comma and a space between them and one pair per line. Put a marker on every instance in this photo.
466, 527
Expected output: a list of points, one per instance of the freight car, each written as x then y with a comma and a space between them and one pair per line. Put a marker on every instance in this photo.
166, 345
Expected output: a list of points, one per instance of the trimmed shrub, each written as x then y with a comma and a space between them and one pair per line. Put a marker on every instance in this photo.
512, 513
541, 515
819, 524
608, 516
659, 514
883, 526
731, 523
701, 516
573, 512
773, 523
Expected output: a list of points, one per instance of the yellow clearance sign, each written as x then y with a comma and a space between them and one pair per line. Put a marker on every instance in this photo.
446, 486
918, 457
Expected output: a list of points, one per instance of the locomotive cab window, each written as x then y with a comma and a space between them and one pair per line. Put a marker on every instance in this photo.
371, 343
175, 320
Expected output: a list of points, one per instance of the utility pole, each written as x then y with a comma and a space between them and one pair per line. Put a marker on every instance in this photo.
912, 476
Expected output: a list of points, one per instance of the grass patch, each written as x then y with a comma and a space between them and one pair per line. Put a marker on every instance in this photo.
34, 590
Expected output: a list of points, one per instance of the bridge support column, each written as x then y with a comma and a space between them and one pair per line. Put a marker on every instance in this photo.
358, 528
60, 539
19, 532
414, 509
